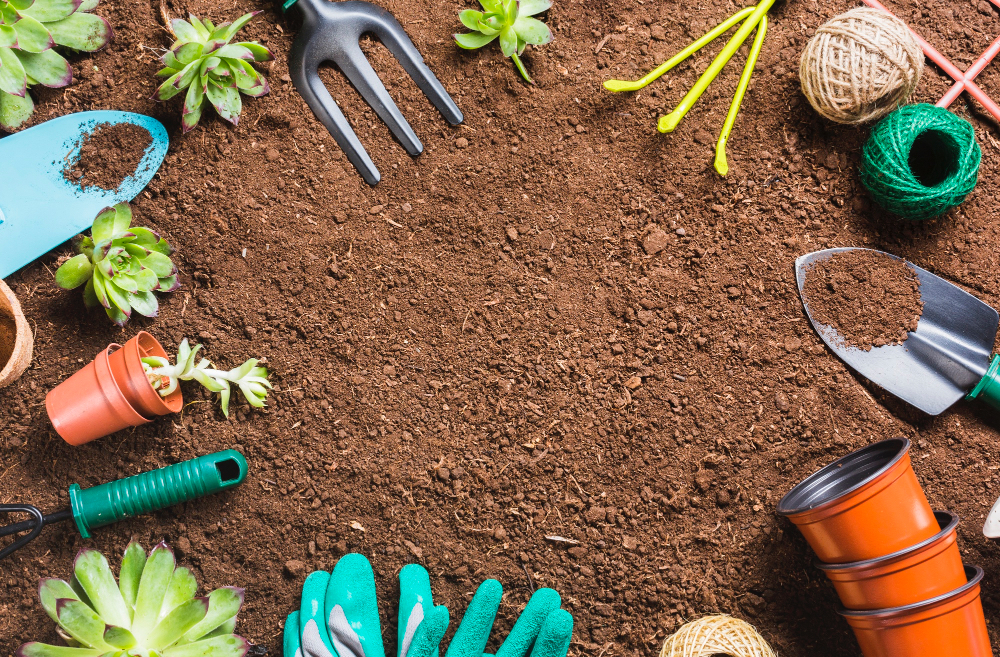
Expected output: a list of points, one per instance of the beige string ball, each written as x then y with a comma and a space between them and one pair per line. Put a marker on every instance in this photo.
16, 339
716, 635
860, 66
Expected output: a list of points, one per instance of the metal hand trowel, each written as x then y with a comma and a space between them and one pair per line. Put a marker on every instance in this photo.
948, 357
39, 208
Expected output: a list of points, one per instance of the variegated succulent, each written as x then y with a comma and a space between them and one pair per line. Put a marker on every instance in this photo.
510, 21
29, 32
121, 266
248, 377
151, 611
211, 70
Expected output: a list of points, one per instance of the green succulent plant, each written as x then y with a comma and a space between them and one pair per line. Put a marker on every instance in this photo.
210, 69
248, 377
120, 266
151, 611
507, 20
29, 32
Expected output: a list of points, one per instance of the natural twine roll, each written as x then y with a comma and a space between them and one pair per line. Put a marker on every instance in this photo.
920, 161
860, 66
716, 635
16, 340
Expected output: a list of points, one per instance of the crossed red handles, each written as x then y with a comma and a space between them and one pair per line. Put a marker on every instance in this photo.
963, 79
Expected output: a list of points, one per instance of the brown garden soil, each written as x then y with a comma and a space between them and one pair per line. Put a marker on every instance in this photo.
869, 298
556, 321
108, 155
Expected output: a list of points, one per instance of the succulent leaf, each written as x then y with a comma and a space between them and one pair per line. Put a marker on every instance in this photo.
82, 623
229, 645
74, 272
119, 637
177, 623
152, 588
533, 7
133, 565
13, 79
50, 591
472, 40
47, 68
14, 110
81, 31
182, 586
8, 37
36, 649
532, 31
32, 35
47, 11
509, 20
92, 571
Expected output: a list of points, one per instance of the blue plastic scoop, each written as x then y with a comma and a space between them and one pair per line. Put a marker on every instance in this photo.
39, 208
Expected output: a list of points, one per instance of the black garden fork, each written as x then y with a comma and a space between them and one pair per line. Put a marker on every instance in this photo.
331, 32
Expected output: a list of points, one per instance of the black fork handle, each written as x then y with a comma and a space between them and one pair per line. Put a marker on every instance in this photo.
34, 526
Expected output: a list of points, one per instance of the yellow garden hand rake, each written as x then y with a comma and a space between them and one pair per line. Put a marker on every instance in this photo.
751, 17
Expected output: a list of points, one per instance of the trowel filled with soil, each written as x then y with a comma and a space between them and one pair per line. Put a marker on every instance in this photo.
58, 175
916, 335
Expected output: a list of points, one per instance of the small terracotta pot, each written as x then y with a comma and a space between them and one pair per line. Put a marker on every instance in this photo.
126, 363
950, 624
15, 346
924, 571
90, 404
865, 505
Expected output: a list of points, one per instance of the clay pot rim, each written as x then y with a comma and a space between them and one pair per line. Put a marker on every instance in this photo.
784, 508
946, 519
974, 574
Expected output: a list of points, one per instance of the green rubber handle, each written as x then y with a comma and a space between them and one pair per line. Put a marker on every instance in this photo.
158, 489
988, 389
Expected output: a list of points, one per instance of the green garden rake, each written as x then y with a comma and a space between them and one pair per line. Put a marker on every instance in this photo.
751, 17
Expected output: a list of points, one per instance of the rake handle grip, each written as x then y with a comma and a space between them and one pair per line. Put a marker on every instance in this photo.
158, 489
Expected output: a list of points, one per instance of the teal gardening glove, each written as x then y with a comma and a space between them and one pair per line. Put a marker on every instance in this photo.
339, 618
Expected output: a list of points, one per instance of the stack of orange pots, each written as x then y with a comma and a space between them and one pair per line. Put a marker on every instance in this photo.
894, 562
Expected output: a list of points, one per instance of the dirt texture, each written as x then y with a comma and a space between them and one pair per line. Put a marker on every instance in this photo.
870, 299
8, 336
108, 155
555, 322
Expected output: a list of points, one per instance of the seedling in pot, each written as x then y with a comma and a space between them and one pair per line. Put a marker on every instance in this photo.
248, 377
120, 266
203, 63
511, 22
29, 32
151, 610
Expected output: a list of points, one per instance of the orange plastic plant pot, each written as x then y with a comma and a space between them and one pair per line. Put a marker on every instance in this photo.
921, 572
89, 404
948, 625
865, 505
126, 363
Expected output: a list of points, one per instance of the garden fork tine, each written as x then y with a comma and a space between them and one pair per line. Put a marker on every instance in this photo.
331, 31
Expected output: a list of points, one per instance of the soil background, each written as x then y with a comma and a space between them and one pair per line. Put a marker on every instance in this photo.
555, 322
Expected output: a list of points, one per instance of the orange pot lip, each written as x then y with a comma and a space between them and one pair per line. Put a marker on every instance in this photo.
147, 345
948, 522
973, 573
785, 506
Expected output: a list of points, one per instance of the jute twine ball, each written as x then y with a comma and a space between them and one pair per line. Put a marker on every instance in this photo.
716, 635
860, 66
16, 340
920, 161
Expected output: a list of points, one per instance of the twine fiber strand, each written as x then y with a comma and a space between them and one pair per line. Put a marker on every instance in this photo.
860, 66
921, 161
716, 635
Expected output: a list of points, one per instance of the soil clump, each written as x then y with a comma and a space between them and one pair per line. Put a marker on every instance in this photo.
108, 155
870, 299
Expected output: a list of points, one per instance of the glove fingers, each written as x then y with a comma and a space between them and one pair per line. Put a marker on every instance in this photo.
477, 624
554, 639
292, 645
416, 617
529, 624
344, 638
414, 595
427, 637
352, 587
311, 616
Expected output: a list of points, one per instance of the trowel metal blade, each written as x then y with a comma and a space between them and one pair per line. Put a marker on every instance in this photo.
941, 361
39, 208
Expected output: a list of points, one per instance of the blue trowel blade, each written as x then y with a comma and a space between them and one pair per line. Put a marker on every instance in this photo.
39, 208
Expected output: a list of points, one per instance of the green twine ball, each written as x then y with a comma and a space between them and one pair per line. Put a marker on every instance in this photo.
920, 161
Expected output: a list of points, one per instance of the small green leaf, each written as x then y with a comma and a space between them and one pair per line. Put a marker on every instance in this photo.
226, 628
100, 293
119, 637
532, 31
130, 574
74, 272
160, 264
470, 18
508, 41
203, 31
82, 623
230, 30
32, 35
81, 31
125, 282
13, 79
47, 68
8, 36
104, 225
229, 645
168, 284
35, 649
223, 605
144, 303
119, 300
169, 88
177, 623
224, 396
156, 575
123, 218
116, 316
181, 588
260, 53
15, 110
189, 53
184, 31
145, 280
51, 590
97, 580
473, 40
235, 51
533, 7
47, 11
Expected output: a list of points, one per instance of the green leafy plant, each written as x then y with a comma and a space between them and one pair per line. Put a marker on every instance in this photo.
29, 32
507, 20
121, 266
212, 70
248, 377
151, 611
